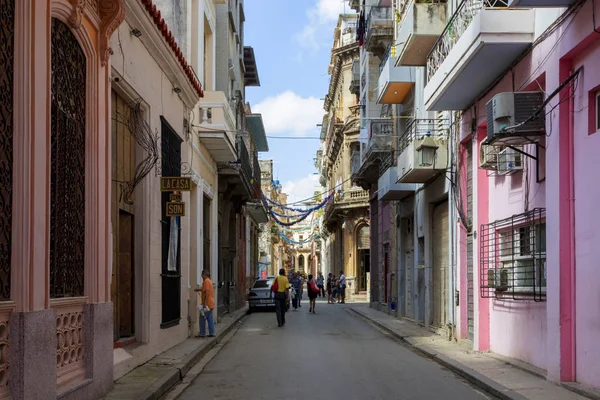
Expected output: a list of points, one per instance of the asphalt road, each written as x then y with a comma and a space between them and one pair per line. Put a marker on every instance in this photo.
330, 355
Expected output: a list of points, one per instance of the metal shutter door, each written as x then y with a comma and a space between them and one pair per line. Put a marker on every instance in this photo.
440, 264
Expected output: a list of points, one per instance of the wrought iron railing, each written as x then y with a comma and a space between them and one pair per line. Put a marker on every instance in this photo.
420, 129
457, 25
378, 13
244, 159
380, 137
385, 58
256, 174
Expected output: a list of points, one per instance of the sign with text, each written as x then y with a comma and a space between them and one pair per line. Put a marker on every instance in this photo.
176, 197
175, 184
175, 209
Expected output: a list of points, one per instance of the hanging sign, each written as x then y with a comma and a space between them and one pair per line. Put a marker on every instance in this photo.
175, 209
175, 197
175, 184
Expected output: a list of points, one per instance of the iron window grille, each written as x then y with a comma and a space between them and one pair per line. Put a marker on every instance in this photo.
7, 34
513, 257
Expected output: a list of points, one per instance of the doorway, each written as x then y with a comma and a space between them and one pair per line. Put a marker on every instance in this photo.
364, 269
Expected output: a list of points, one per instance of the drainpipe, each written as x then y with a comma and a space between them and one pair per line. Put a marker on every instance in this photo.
451, 237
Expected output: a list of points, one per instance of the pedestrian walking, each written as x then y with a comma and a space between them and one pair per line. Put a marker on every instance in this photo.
330, 288
297, 286
206, 306
313, 292
342, 287
320, 280
280, 288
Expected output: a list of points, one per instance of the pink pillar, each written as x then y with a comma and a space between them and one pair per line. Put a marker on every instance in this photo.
483, 194
567, 237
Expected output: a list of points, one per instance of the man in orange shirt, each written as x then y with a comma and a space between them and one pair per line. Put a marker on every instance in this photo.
206, 306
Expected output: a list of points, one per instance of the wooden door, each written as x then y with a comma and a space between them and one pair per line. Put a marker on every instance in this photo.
125, 274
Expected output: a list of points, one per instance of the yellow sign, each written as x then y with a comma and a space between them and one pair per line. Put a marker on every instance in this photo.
175, 209
176, 197
175, 184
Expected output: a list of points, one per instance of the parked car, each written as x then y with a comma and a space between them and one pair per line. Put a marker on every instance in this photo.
260, 294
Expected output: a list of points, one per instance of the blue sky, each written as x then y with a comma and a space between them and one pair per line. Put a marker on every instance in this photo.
292, 42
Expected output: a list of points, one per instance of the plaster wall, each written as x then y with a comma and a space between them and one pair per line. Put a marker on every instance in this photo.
142, 78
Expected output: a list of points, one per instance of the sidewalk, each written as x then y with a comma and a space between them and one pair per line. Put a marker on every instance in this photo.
502, 377
152, 380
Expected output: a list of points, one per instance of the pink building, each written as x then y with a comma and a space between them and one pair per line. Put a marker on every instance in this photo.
528, 277
56, 315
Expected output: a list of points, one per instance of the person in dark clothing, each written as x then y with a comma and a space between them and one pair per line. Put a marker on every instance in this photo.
281, 288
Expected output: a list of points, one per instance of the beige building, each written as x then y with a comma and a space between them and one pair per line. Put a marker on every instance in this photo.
346, 219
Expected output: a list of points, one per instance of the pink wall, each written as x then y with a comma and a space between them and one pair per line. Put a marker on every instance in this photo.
587, 218
561, 334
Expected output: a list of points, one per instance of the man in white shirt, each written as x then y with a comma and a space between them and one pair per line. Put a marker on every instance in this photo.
343, 286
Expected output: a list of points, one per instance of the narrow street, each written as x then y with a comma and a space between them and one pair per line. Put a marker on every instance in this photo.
332, 354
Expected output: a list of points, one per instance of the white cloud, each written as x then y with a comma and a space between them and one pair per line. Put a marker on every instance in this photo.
288, 113
318, 30
300, 189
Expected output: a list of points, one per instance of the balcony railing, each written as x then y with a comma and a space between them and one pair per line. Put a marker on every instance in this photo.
380, 137
457, 25
356, 196
244, 159
379, 22
420, 129
256, 176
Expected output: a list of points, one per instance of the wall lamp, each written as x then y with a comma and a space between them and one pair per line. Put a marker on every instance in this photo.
136, 32
177, 90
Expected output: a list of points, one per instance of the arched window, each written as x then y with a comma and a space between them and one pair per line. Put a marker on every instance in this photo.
67, 176
300, 262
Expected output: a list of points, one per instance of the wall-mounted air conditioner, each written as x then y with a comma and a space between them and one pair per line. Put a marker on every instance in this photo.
510, 118
488, 156
497, 279
509, 161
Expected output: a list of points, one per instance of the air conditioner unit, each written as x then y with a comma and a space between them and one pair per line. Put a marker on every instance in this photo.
497, 279
509, 161
488, 156
509, 119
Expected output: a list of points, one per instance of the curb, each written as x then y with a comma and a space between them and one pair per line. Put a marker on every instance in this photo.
462, 370
175, 375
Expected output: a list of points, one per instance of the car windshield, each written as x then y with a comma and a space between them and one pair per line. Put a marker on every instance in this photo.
262, 284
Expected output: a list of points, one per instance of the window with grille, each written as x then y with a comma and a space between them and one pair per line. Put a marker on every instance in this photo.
513, 257
7, 34
67, 175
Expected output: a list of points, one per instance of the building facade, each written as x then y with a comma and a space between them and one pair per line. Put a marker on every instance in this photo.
491, 238
345, 219
56, 311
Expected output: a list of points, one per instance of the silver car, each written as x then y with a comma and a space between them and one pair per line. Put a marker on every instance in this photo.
260, 295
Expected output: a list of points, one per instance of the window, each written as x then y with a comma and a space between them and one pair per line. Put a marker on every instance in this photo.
170, 159
594, 110
513, 257
67, 176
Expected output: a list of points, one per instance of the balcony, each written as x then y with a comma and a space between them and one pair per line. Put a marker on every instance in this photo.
377, 151
423, 151
216, 128
481, 40
389, 189
421, 25
355, 81
394, 82
379, 29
